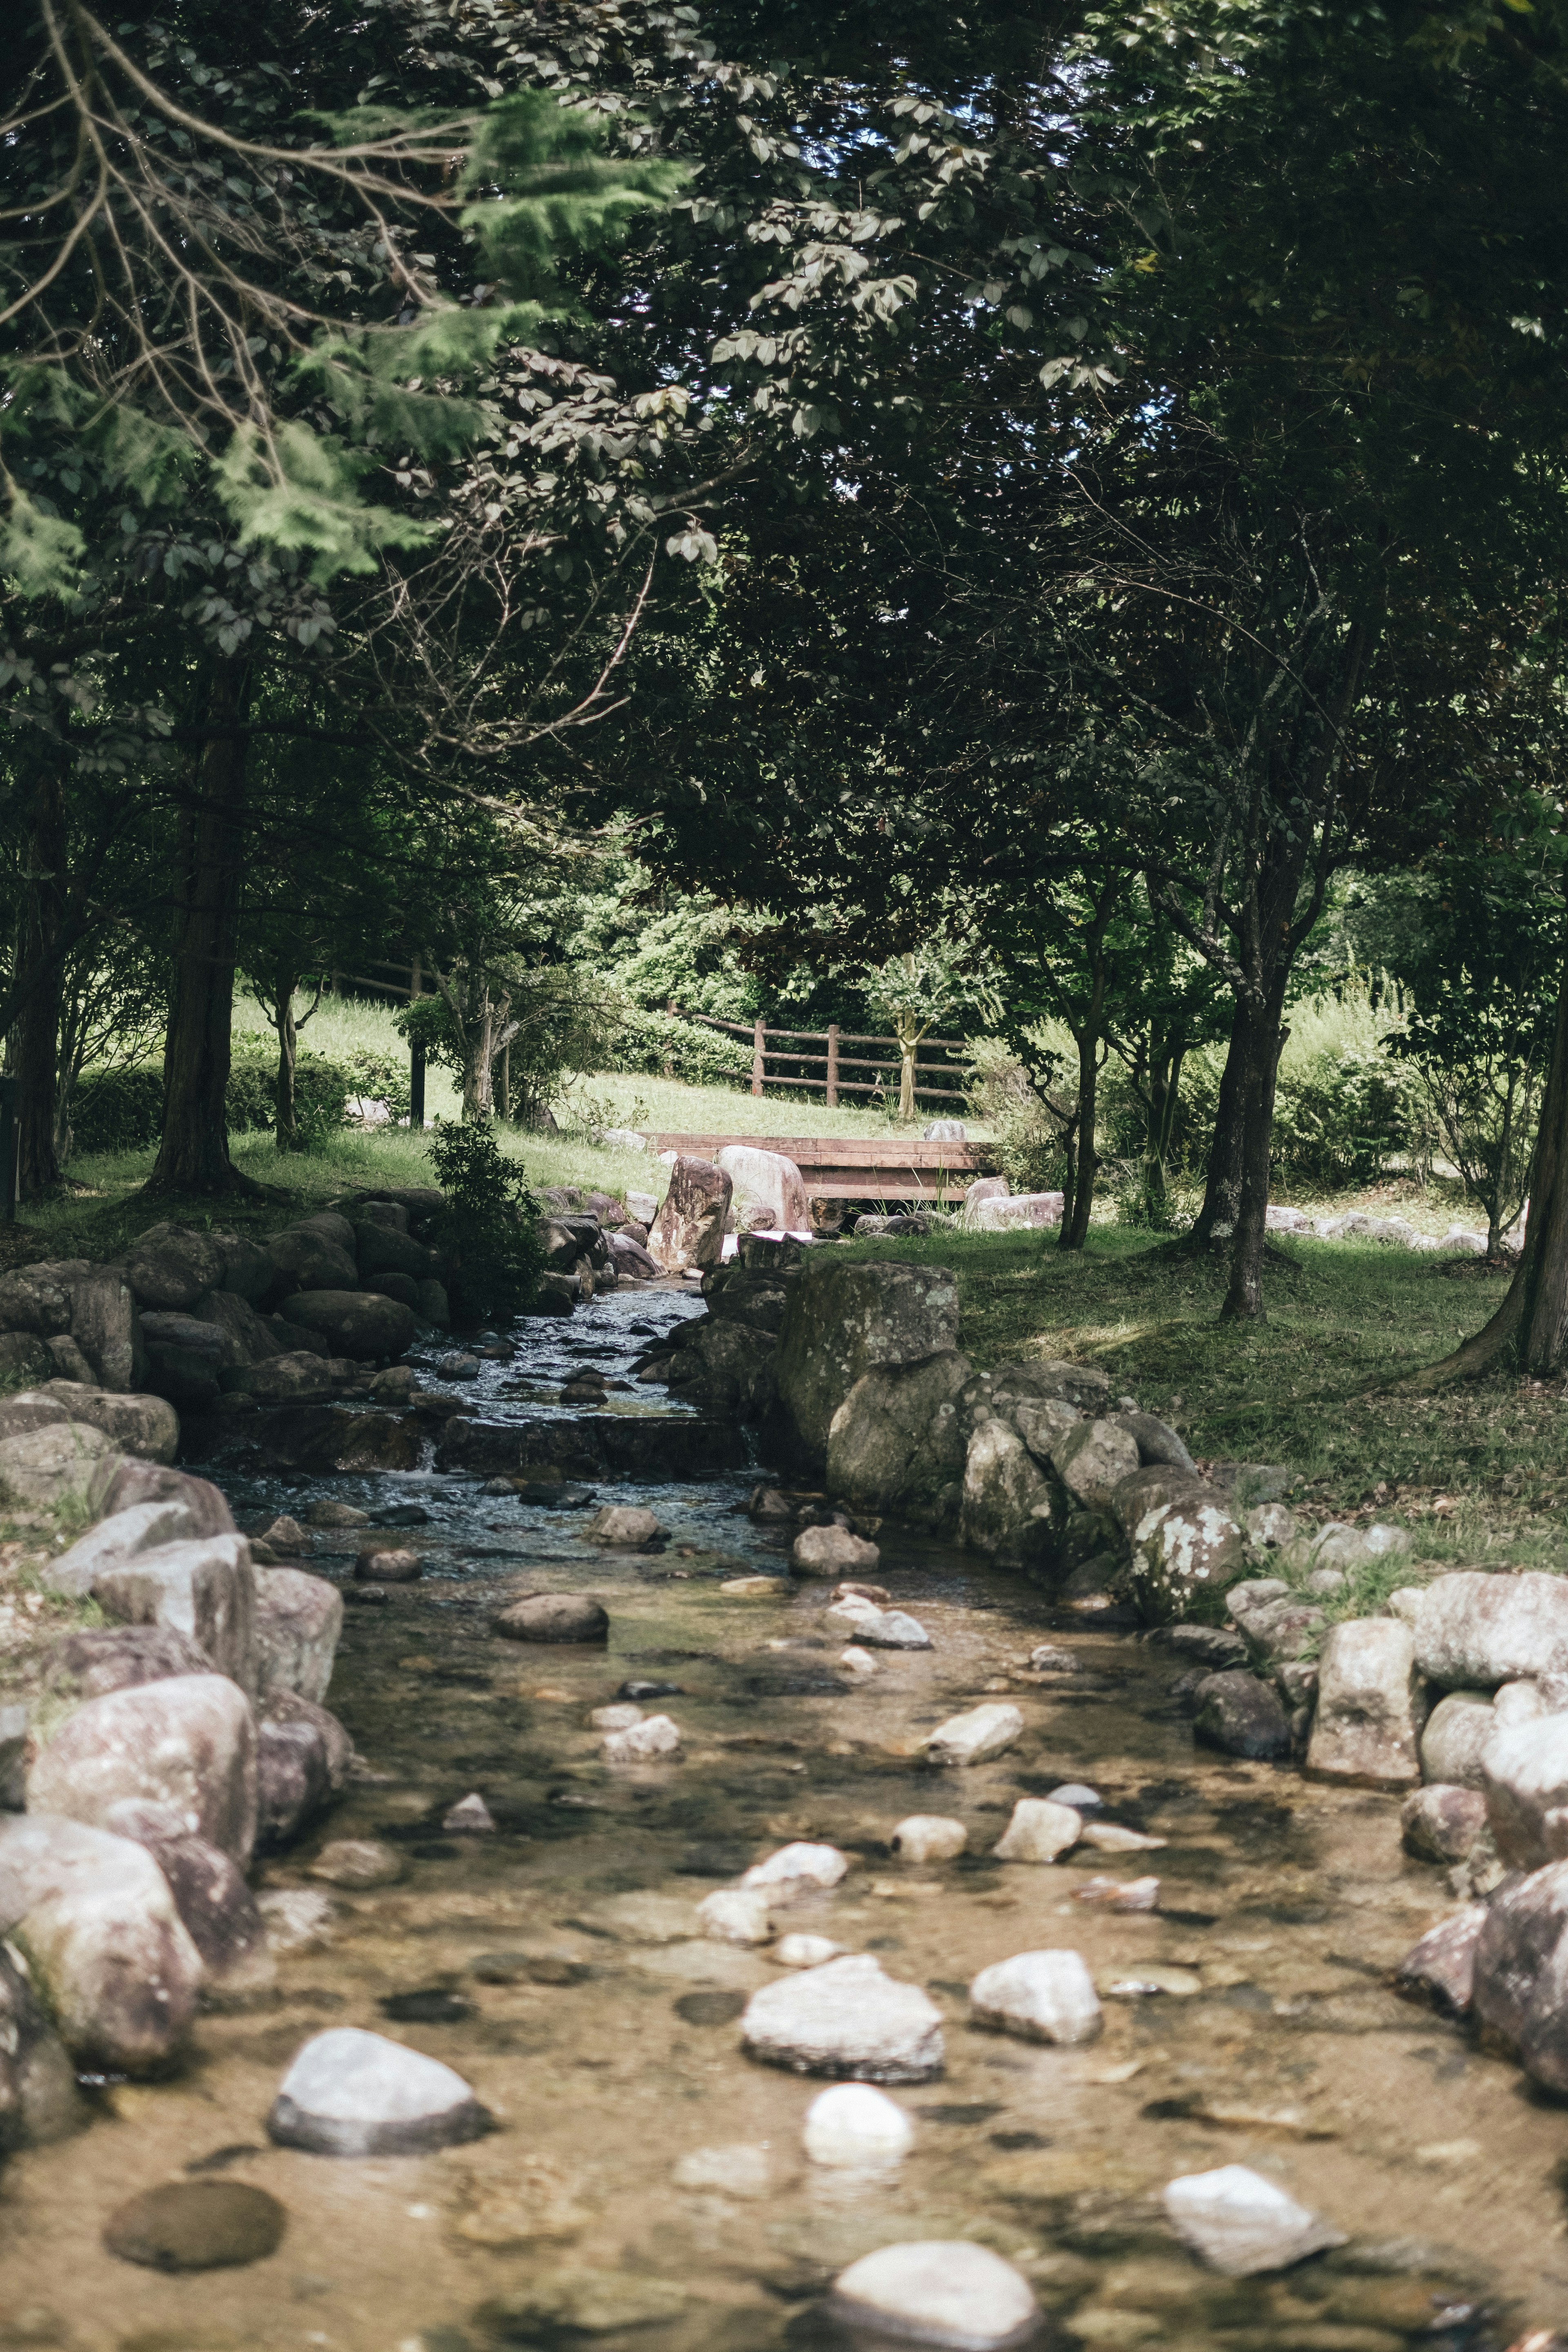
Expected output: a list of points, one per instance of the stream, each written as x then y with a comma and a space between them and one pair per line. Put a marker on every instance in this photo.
645, 2189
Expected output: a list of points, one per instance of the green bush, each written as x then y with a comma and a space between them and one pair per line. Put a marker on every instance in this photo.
122, 1110
118, 1110
489, 1226
655, 1041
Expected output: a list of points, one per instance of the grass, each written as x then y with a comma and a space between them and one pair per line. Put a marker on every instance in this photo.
670, 1106
1480, 1473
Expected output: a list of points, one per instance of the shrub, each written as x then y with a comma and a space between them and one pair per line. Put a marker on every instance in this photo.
1027, 1146
118, 1110
122, 1110
490, 1225
655, 1041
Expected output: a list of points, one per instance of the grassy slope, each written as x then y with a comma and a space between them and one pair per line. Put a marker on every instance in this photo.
1481, 1471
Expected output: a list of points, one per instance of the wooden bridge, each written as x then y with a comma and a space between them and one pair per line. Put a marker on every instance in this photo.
849, 1168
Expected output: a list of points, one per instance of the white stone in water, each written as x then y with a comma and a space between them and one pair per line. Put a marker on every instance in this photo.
853, 2127
892, 1629
828, 1551
1242, 2224
846, 2017
1078, 1795
297, 1918
859, 1661
736, 1914
741, 2171
1110, 1837
627, 1524
658, 1736
801, 1865
615, 1718
975, 1737
1040, 1829
350, 2093
1040, 1996
929, 1837
953, 2294
470, 1814
798, 1951
1120, 1893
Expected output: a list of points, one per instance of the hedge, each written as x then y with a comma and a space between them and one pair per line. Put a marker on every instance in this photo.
122, 1110
650, 1040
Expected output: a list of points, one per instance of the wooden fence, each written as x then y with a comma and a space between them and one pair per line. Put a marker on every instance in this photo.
806, 1070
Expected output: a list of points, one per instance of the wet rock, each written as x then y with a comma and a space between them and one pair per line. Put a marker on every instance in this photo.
146, 1526
299, 1623
625, 1525
94, 1917
106, 1658
1039, 1997
1519, 1989
358, 1864
292, 1780
205, 1589
1040, 1830
1129, 1895
1369, 1708
337, 1749
928, 1837
828, 1551
845, 2018
689, 1231
388, 1564
333, 1514
1442, 1822
297, 1918
1441, 1969
1524, 1779
729, 1366
881, 1629
959, 2293
800, 1951
52, 1468
564, 2307
1186, 1548
170, 1267
458, 1367
144, 1426
645, 1743
1009, 1508
285, 1535
217, 1908
846, 1317
737, 1915
188, 1742
975, 1737
1214, 1647
552, 1617
350, 2093
856, 2128
1456, 1731
358, 1323
196, 2225
395, 1386
1113, 1837
470, 1816
299, 1378
1241, 1715
1093, 1457
896, 1442
797, 1868
1242, 2224
1474, 1631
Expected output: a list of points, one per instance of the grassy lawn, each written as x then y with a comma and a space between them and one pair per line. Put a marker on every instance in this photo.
1480, 1473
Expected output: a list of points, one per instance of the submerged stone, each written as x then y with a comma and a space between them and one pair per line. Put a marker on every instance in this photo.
196, 2225
956, 2294
350, 2093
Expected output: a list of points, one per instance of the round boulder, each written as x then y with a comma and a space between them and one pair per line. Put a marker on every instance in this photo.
350, 2093
387, 1564
358, 1323
196, 2225
958, 2293
553, 1617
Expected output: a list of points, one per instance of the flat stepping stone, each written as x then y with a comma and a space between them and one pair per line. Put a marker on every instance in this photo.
938, 2293
196, 2225
552, 1617
847, 2019
350, 2093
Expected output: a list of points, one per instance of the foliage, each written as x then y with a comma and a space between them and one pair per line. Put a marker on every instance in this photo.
490, 1225
118, 1109
381, 1077
1008, 1096
122, 1109
663, 1045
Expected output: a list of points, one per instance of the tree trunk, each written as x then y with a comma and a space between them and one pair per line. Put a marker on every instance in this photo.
1262, 1040
193, 1154
1164, 1097
1216, 1220
35, 1043
285, 1128
1075, 1214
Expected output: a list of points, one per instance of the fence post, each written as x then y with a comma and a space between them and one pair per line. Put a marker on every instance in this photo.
416, 1085
759, 1063
833, 1065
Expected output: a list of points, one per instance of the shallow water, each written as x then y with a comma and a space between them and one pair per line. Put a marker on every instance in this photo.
1283, 1907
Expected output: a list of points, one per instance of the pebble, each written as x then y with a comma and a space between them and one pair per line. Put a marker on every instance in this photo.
1048, 1657
768, 1503
615, 1718
957, 2295
458, 1367
297, 1918
381, 1564
196, 2225
1148, 1978
799, 1866
1242, 2224
929, 1837
798, 1951
1120, 1893
878, 1594
470, 1814
1110, 1837
846, 2017
736, 1914
358, 1863
824, 1551
859, 1661
336, 1515
350, 2093
1039, 1831
755, 1588
530, 1968
1441, 1824
745, 2171
552, 1617
853, 2127
564, 2306
1040, 1997
285, 1535
627, 1524
975, 1737
658, 1736
883, 1629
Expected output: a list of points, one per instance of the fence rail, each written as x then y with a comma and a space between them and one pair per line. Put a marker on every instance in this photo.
833, 1061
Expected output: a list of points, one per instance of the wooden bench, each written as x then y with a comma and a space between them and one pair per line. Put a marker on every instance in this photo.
846, 1168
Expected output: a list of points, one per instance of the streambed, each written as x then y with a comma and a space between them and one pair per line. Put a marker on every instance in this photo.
555, 1963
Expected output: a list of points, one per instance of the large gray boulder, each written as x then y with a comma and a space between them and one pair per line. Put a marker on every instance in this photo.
171, 1266
1186, 1547
1370, 1707
188, 1741
103, 1658
358, 1323
146, 1425
897, 1443
305, 1260
217, 1908
727, 1366
1092, 1457
1457, 1732
1240, 1715
846, 1317
1010, 1510
302, 1760
247, 1272
52, 1468
382, 1249
93, 1915
38, 2097
691, 1226
124, 1482
146, 1526
300, 1377
1474, 1631
104, 1326
248, 1336
205, 1589
768, 1189
38, 1298
299, 1623
1524, 1779
1521, 1972
846, 2019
